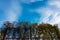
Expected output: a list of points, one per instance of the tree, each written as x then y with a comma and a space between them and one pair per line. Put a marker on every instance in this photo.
28, 30
7, 26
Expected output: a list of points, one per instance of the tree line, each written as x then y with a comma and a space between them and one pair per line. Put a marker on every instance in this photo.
28, 30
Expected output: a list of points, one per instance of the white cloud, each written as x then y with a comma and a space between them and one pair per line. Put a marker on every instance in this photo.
55, 3
11, 15
46, 12
13, 12
52, 9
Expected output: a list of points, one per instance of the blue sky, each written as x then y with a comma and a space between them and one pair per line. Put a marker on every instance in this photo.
34, 11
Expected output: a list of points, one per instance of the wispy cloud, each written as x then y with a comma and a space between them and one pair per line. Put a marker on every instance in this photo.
50, 13
36, 10
11, 9
29, 1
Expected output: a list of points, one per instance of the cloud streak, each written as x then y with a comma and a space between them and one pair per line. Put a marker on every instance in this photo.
50, 13
29, 1
31, 10
11, 9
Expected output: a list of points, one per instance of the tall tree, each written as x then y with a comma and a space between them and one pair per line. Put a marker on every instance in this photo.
7, 26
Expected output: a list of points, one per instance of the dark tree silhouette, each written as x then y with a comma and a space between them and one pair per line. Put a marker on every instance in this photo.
31, 31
